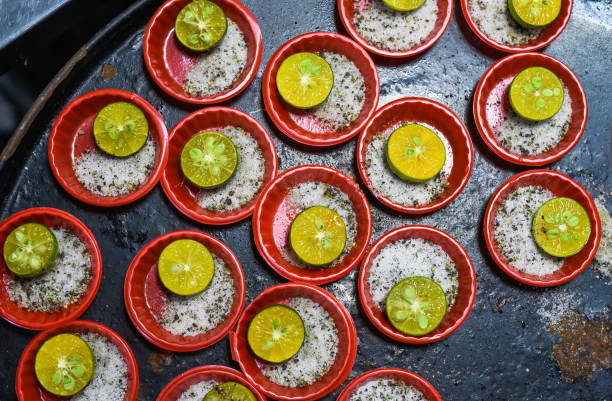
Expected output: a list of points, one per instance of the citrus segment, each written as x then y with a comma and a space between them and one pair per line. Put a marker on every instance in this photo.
415, 153
536, 93
64, 364
276, 333
185, 267
209, 159
416, 306
120, 129
534, 13
304, 80
318, 235
200, 25
404, 5
229, 391
561, 227
30, 250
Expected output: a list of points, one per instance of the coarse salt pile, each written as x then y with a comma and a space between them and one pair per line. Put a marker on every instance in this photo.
197, 392
109, 381
603, 257
317, 354
394, 30
309, 194
494, 20
111, 176
390, 186
63, 284
513, 222
197, 314
388, 390
246, 181
220, 67
411, 257
527, 137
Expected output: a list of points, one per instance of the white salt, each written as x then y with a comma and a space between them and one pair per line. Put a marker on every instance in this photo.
494, 20
603, 257
388, 390
197, 392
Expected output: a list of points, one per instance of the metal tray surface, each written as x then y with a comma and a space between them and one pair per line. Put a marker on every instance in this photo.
504, 351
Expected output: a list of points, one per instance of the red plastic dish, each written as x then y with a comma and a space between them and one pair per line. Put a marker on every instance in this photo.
26, 384
493, 88
286, 118
346, 9
221, 374
405, 376
65, 145
41, 320
144, 294
168, 60
559, 185
181, 192
548, 35
420, 110
455, 316
345, 357
273, 216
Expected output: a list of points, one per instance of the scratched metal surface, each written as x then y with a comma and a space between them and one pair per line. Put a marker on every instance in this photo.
494, 355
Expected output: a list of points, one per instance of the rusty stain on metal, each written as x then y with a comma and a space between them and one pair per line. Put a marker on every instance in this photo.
108, 72
501, 302
159, 359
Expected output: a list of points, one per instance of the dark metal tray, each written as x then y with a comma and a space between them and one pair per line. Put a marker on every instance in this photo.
504, 351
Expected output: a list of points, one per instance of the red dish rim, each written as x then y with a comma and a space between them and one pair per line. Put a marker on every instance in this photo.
345, 10
407, 377
241, 352
556, 28
273, 103
442, 200
583, 258
381, 322
480, 100
135, 302
57, 161
237, 87
260, 241
26, 382
84, 234
259, 133
190, 377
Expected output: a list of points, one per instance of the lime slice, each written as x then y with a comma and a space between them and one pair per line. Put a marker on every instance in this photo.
534, 13
404, 5
317, 235
276, 333
561, 227
185, 267
304, 80
200, 25
209, 159
229, 391
536, 93
416, 306
64, 364
30, 250
120, 129
415, 153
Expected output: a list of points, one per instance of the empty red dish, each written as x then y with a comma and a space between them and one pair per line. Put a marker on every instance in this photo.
345, 357
559, 185
26, 384
66, 145
491, 104
401, 375
466, 293
434, 114
144, 293
49, 217
299, 125
274, 214
548, 35
181, 192
346, 9
220, 374
168, 60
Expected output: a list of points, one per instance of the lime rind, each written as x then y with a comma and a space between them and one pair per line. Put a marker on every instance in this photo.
404, 5
534, 14
200, 25
229, 391
304, 80
120, 129
536, 94
30, 250
209, 159
185, 267
276, 333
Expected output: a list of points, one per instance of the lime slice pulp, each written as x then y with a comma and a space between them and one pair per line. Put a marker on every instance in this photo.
304, 80
276, 333
534, 13
200, 25
209, 159
404, 5
30, 250
229, 391
120, 129
185, 267
536, 94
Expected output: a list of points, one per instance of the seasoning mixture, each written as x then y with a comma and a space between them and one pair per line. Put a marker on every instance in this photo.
317, 354
494, 20
388, 390
603, 257
63, 284
197, 392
